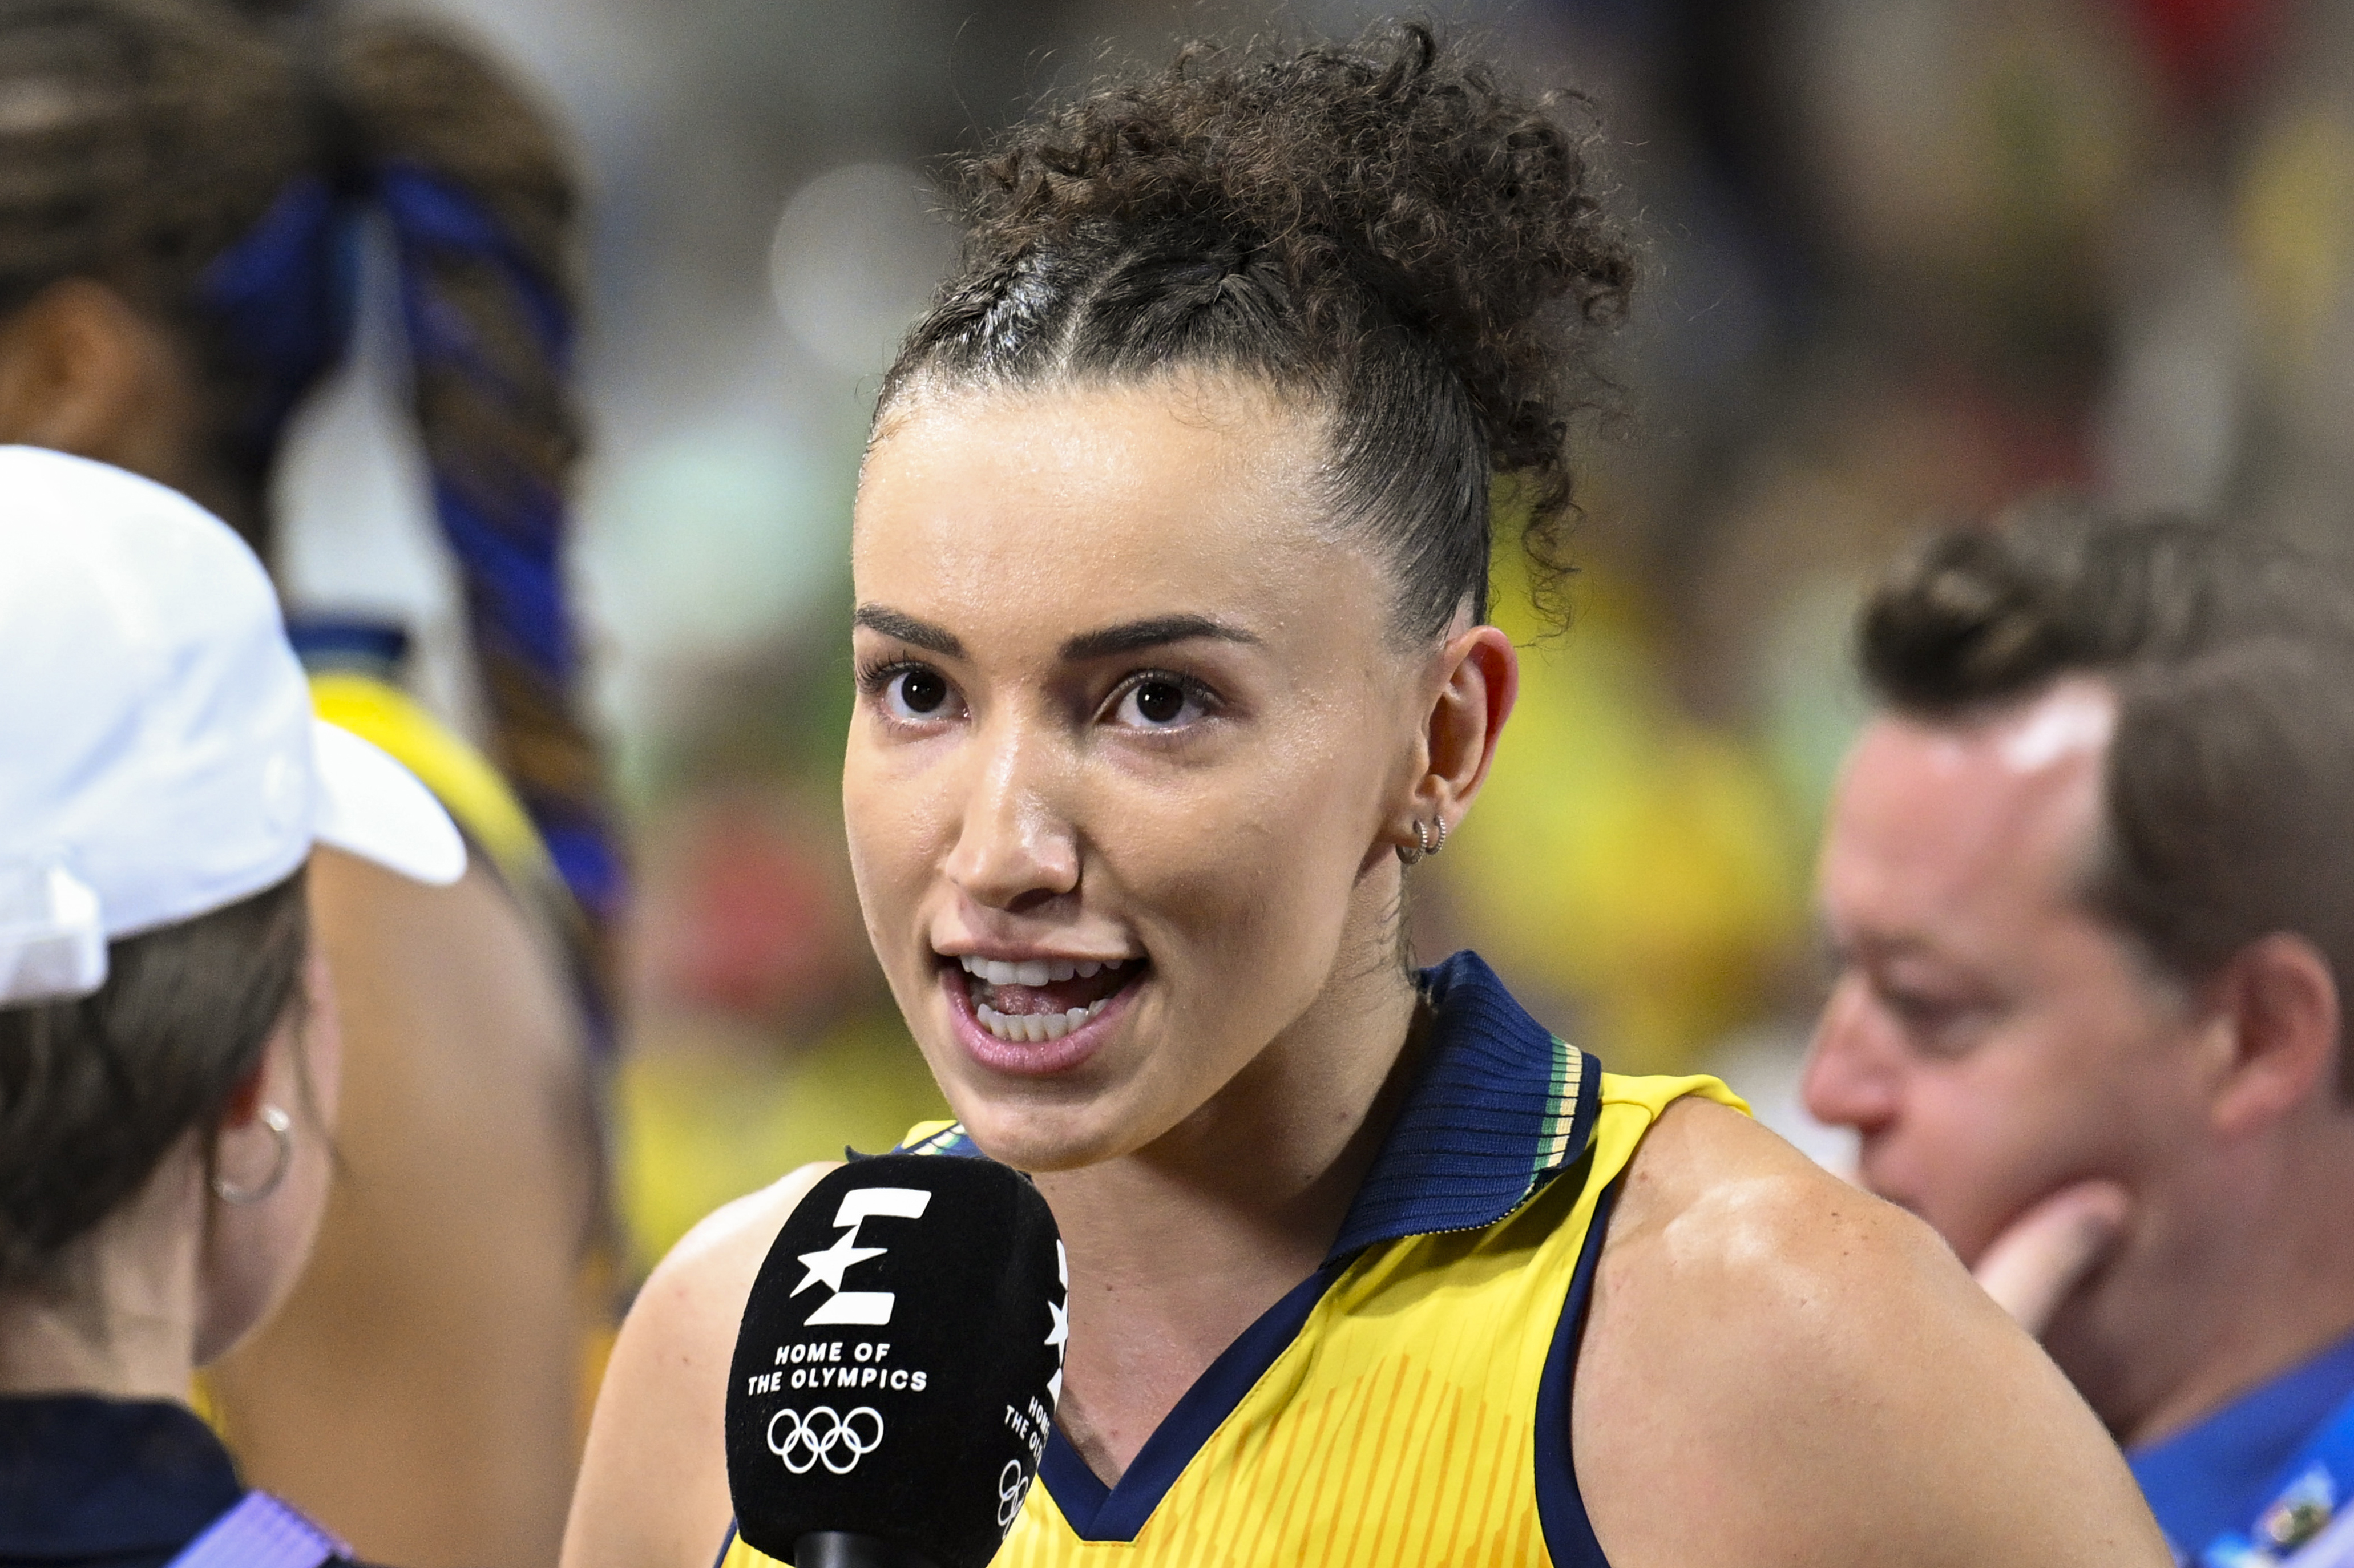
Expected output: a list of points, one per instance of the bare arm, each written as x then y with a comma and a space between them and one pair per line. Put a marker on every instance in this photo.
1782, 1370
653, 1484
420, 1392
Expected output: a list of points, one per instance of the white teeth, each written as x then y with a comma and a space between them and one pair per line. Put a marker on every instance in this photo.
1036, 972
1035, 1028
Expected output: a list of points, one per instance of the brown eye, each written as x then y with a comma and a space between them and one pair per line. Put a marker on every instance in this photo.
1160, 702
918, 693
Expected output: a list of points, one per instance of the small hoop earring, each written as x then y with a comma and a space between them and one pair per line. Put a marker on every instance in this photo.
281, 1128
1426, 844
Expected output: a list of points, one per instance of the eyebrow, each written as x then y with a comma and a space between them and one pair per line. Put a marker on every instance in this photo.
1128, 637
907, 629
1134, 636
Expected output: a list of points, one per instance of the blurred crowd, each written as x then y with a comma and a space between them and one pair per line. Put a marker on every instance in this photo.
1908, 259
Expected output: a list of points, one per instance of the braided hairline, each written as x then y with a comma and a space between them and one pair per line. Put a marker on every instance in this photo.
164, 141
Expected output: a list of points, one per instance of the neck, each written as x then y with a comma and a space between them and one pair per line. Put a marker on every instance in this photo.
2209, 1306
125, 1324
1176, 1249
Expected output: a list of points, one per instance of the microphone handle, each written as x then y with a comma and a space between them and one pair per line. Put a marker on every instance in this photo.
840, 1548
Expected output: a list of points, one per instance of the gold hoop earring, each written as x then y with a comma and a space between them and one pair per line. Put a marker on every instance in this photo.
281, 1129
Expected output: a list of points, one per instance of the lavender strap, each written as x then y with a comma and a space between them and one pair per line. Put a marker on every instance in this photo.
260, 1532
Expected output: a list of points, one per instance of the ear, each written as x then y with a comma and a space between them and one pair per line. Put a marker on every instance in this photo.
1479, 679
83, 372
2275, 1009
302, 1064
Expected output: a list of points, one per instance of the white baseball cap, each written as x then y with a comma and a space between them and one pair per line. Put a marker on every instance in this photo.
159, 758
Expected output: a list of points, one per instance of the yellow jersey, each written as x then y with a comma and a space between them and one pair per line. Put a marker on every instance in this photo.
1408, 1402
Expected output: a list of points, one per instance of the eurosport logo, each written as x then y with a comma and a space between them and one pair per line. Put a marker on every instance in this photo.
826, 1438
826, 1267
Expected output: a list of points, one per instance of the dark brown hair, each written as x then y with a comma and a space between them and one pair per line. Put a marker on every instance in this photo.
1387, 228
2230, 774
95, 1093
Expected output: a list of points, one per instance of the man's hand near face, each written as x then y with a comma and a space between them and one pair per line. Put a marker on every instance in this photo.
2034, 1264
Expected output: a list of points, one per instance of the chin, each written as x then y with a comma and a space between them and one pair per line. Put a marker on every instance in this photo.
1047, 1133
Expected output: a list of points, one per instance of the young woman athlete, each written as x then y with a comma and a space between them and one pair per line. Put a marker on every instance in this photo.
1171, 561
177, 220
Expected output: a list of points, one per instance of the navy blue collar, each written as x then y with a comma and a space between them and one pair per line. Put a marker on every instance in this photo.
1500, 1106
359, 644
102, 1479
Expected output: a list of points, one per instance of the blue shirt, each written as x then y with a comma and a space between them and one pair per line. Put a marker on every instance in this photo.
2219, 1475
88, 1482
123, 1483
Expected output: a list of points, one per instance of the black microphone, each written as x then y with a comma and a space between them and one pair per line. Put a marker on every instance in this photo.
896, 1375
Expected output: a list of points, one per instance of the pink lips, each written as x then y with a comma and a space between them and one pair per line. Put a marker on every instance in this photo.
1028, 1059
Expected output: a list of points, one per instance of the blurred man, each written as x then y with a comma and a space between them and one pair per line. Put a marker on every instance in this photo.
2090, 882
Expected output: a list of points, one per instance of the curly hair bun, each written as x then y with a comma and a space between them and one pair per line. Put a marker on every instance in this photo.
1387, 223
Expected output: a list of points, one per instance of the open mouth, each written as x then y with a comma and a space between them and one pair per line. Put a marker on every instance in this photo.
1037, 1000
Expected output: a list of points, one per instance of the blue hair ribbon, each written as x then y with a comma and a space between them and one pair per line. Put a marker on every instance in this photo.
286, 298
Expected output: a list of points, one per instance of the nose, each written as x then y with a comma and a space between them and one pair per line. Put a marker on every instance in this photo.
1015, 849
1851, 1077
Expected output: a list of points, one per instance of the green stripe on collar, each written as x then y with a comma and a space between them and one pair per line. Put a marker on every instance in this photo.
1501, 1106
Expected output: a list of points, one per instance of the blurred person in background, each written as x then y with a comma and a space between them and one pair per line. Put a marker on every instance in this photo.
169, 1054
177, 219
2090, 884
761, 1034
1171, 561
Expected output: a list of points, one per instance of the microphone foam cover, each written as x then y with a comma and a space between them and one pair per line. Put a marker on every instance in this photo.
899, 1360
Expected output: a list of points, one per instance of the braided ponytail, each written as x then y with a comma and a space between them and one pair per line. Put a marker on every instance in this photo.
482, 208
201, 163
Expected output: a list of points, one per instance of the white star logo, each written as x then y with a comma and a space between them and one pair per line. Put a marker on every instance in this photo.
1060, 1334
830, 1264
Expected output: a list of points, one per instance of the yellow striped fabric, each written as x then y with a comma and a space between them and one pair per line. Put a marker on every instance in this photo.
1399, 1429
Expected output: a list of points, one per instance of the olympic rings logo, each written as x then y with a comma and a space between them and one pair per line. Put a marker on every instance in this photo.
1012, 1486
824, 1438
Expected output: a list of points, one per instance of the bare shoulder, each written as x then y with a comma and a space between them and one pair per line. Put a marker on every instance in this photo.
1710, 1194
654, 1480
1814, 1377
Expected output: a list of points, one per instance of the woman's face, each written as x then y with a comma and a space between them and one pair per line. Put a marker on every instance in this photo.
1130, 748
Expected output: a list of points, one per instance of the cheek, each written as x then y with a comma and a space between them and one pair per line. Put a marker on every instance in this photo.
1996, 1133
891, 820
1255, 864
